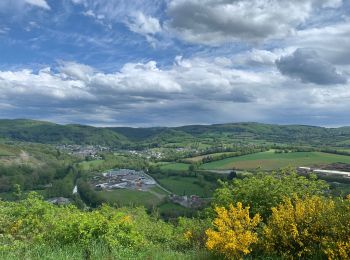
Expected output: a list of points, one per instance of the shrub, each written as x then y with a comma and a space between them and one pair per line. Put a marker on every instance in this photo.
310, 226
234, 232
264, 191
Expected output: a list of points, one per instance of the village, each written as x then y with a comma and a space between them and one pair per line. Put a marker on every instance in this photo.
84, 151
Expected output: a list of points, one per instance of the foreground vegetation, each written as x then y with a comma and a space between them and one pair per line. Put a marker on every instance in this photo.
278, 215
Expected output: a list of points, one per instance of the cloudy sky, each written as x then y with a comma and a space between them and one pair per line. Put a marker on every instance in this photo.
175, 62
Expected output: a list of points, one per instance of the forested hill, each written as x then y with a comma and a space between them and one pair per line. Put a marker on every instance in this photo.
46, 132
49, 133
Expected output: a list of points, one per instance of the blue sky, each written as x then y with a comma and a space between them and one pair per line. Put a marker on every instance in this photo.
175, 62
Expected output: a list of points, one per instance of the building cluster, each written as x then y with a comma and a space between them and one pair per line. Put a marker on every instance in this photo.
91, 151
191, 201
59, 201
325, 172
124, 179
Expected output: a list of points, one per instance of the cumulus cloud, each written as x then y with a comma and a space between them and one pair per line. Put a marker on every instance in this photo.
215, 22
19, 5
143, 24
331, 42
197, 90
139, 87
39, 3
309, 67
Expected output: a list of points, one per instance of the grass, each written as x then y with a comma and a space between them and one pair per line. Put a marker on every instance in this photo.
9, 196
270, 160
184, 186
90, 164
159, 191
100, 251
125, 197
170, 208
6, 150
199, 158
175, 166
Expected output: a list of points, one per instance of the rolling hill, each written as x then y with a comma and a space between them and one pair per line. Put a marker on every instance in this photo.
50, 133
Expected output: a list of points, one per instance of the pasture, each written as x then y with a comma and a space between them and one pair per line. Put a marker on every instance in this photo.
199, 158
87, 165
6, 150
125, 197
174, 167
186, 186
270, 160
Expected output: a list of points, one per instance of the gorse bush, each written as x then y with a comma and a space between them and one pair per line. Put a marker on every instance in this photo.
234, 232
312, 227
309, 226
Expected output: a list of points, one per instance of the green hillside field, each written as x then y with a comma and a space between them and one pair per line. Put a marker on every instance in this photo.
270, 160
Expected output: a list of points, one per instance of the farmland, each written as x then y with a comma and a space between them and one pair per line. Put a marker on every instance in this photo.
186, 186
125, 197
270, 160
175, 166
201, 157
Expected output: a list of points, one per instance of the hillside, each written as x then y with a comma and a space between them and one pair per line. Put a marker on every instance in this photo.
50, 133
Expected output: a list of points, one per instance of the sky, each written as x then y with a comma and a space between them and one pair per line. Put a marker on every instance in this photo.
175, 62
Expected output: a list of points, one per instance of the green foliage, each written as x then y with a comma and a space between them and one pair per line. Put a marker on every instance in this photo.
49, 133
33, 224
35, 221
264, 191
33, 167
309, 226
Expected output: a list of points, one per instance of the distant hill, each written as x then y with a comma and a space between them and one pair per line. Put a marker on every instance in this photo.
50, 133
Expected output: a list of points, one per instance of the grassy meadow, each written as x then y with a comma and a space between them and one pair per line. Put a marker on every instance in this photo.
186, 186
174, 167
125, 197
87, 165
270, 160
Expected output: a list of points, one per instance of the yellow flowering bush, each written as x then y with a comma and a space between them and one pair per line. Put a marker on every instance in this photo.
308, 227
234, 232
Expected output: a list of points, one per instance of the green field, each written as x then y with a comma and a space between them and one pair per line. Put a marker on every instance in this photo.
124, 197
175, 166
270, 160
90, 164
185, 186
199, 158
6, 150
172, 209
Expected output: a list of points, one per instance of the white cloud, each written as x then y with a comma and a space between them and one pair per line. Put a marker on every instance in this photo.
196, 90
39, 3
142, 24
4, 30
331, 42
214, 22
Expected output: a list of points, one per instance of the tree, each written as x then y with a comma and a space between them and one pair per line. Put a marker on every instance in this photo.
17, 192
232, 175
264, 191
234, 232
